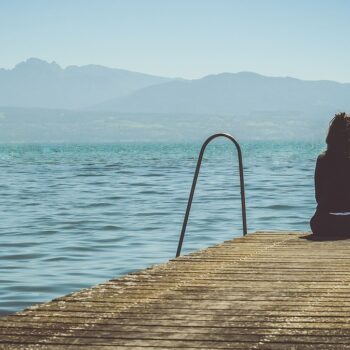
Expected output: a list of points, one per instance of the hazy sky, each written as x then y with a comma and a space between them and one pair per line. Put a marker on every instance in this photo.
308, 39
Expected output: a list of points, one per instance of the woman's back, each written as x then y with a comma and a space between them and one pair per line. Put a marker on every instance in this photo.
332, 182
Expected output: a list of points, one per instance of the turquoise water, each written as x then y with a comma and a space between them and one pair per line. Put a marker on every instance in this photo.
76, 215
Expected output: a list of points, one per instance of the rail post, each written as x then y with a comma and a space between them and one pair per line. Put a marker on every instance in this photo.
194, 183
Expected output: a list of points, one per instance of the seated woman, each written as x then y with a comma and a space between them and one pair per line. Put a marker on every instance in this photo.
332, 182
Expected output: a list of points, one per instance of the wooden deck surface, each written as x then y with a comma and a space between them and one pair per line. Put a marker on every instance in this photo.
264, 291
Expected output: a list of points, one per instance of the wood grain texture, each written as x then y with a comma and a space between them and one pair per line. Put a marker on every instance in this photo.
264, 291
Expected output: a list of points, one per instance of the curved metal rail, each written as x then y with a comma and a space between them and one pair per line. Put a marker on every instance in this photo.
194, 182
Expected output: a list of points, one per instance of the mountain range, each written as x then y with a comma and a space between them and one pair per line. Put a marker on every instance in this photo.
43, 102
238, 93
36, 83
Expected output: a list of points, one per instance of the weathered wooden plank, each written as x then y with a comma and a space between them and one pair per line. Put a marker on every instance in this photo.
264, 291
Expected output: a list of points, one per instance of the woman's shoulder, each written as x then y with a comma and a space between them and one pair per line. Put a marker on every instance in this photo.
324, 160
332, 159
322, 157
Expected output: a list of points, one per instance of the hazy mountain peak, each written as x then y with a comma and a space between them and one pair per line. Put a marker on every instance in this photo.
246, 75
38, 83
34, 63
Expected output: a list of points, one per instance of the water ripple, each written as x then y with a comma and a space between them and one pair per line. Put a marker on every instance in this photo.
76, 215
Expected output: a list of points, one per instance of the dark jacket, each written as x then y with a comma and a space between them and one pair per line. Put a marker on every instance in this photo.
332, 182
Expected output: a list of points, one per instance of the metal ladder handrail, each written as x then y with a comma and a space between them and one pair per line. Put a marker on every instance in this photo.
194, 182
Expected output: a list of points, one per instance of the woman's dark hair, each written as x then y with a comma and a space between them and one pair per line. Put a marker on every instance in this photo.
338, 138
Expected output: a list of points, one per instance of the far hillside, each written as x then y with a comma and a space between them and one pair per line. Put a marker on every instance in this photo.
37, 83
230, 93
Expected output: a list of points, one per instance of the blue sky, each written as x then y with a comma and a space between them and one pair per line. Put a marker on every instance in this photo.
308, 39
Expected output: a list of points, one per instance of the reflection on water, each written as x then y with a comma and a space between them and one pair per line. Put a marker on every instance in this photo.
76, 215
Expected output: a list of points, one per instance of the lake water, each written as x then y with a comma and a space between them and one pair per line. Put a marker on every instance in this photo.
76, 215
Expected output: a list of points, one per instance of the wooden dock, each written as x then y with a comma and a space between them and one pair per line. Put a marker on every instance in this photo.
272, 291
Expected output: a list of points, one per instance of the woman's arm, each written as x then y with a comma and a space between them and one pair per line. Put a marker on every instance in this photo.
319, 179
